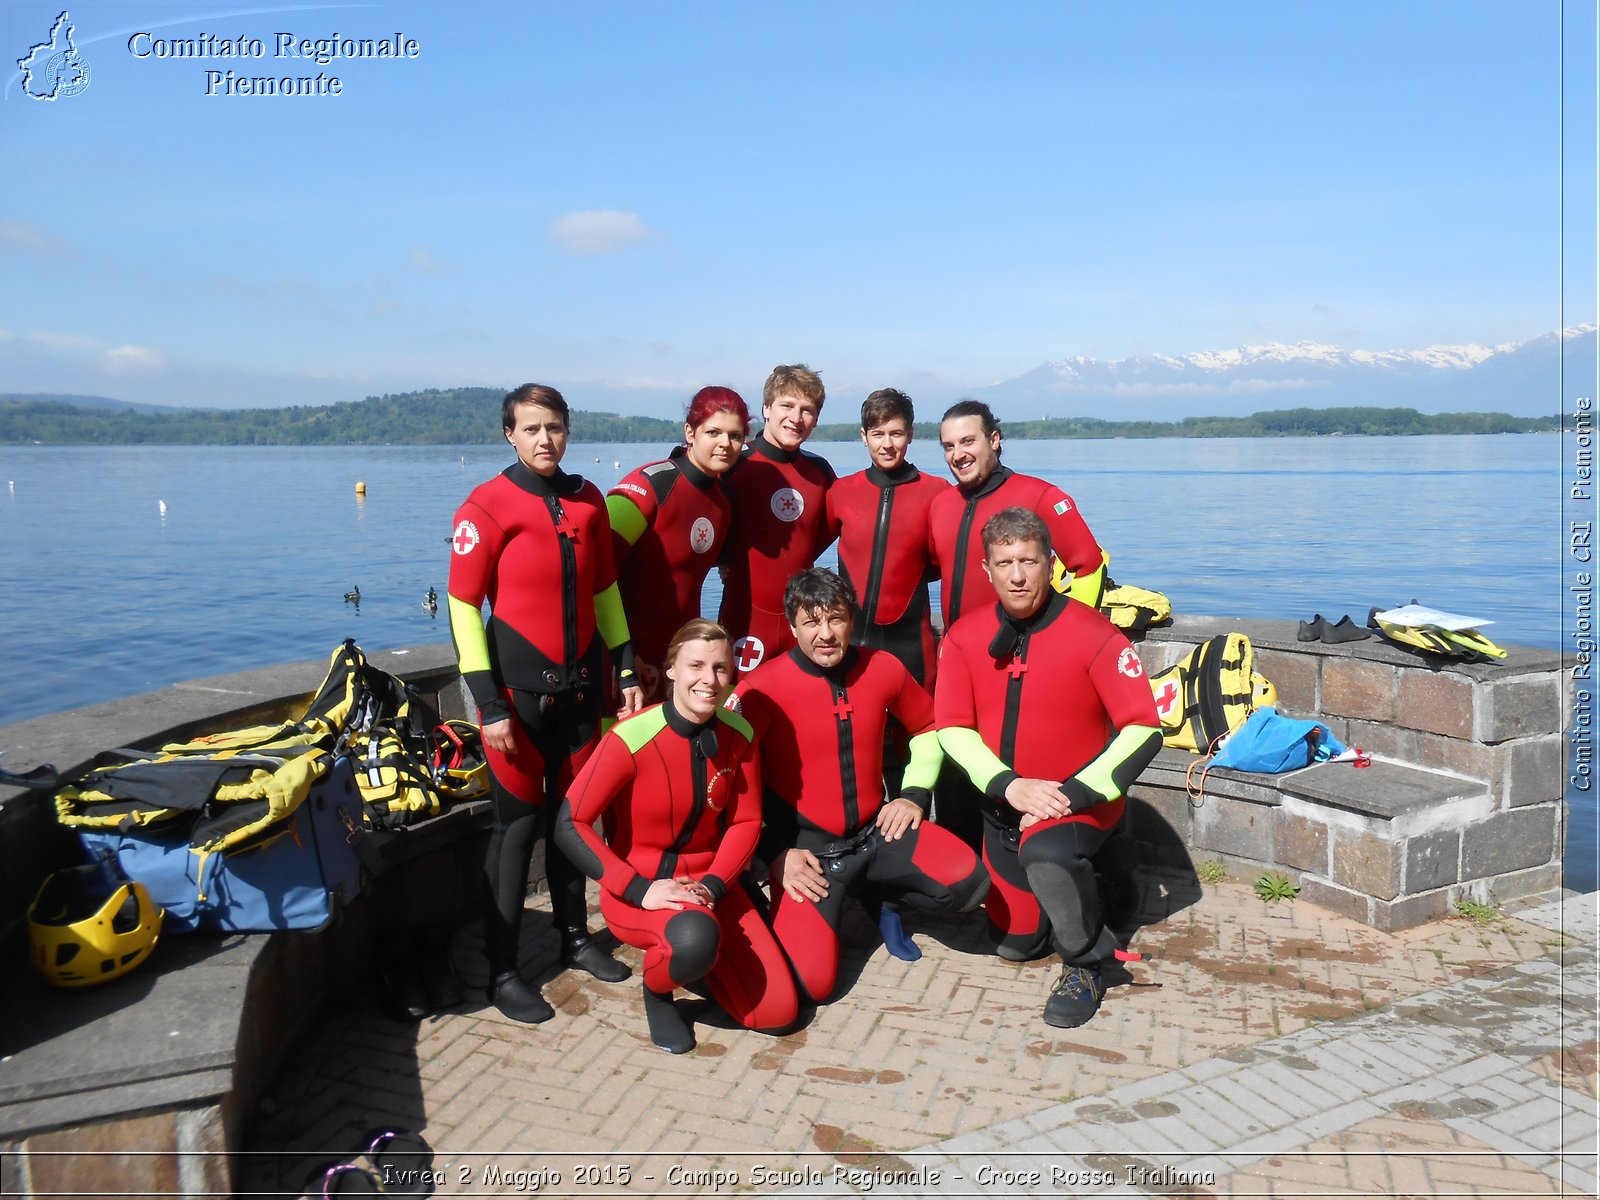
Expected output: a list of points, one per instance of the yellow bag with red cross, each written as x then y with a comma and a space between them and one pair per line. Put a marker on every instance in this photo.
1210, 692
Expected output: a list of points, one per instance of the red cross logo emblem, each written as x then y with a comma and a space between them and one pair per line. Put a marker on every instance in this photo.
566, 527
1016, 668
788, 504
1128, 663
748, 652
465, 538
842, 708
1166, 697
701, 534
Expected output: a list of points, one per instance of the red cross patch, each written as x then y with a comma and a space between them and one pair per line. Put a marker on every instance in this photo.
748, 652
788, 504
1166, 698
465, 538
1128, 663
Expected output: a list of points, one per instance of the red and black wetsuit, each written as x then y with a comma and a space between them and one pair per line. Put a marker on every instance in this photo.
1061, 696
780, 526
821, 734
681, 799
881, 520
957, 522
669, 522
538, 549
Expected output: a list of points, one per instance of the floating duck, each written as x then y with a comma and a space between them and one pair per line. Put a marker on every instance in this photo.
431, 601
353, 596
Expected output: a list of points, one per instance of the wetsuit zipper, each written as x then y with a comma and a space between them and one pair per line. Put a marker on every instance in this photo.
880, 550
697, 807
963, 535
569, 587
847, 758
1013, 713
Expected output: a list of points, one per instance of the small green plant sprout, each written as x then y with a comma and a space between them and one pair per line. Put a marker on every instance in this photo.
1478, 914
1273, 887
1211, 871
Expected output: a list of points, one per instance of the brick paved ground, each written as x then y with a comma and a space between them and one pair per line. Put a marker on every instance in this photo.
1267, 1051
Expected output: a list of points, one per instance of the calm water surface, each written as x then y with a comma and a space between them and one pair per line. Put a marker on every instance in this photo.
108, 596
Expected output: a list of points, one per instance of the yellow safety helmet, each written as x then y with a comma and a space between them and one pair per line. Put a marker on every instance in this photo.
88, 926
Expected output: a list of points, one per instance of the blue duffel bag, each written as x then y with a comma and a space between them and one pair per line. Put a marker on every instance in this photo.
297, 880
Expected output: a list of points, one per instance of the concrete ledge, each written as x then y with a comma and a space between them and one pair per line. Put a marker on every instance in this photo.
1464, 797
176, 1053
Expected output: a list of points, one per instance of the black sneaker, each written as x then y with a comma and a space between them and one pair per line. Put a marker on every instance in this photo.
1075, 998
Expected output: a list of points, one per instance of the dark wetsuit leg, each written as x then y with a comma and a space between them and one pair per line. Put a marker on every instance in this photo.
553, 736
929, 868
1055, 856
730, 947
1020, 927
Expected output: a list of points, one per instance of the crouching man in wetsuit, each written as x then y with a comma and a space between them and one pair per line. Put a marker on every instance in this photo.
819, 713
1046, 707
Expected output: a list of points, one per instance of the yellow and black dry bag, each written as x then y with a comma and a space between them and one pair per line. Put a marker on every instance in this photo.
1210, 692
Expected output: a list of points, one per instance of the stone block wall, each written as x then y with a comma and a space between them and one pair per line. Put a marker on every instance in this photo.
1464, 800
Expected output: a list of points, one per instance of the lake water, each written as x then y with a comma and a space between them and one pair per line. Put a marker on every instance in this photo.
107, 595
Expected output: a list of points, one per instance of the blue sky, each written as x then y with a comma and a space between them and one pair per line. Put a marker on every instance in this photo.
631, 200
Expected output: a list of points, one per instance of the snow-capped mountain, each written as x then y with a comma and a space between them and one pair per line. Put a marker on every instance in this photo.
1519, 378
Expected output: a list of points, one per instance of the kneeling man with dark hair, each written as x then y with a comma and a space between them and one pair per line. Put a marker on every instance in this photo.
819, 713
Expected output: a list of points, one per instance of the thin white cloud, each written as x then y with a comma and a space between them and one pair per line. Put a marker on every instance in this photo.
421, 259
126, 360
25, 237
599, 231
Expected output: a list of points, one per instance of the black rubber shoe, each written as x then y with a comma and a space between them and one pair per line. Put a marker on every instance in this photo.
1314, 630
668, 1030
584, 955
1345, 630
1075, 998
512, 995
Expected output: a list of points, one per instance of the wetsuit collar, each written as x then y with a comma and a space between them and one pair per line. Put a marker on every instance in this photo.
559, 484
996, 477
705, 735
1011, 631
760, 445
686, 467
834, 674
904, 473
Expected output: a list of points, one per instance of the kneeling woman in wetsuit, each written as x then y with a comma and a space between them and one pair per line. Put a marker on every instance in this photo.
680, 790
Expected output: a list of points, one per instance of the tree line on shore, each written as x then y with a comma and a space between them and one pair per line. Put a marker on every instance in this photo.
470, 416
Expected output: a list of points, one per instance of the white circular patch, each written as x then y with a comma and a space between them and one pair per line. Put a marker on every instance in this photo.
748, 652
1128, 663
788, 504
701, 534
465, 538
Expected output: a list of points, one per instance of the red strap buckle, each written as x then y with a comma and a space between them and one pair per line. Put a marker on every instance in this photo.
1363, 759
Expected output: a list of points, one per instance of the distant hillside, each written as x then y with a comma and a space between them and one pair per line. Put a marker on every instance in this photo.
471, 416
464, 416
89, 402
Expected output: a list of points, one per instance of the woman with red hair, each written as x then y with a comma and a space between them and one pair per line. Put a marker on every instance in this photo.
669, 520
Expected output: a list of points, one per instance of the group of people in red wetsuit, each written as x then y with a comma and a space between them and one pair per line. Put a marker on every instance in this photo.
816, 741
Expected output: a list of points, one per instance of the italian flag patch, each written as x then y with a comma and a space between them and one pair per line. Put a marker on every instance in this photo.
1064, 505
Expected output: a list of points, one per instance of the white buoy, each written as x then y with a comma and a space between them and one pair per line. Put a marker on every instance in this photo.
163, 506
615, 465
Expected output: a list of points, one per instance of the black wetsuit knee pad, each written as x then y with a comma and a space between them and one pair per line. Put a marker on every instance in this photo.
693, 938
